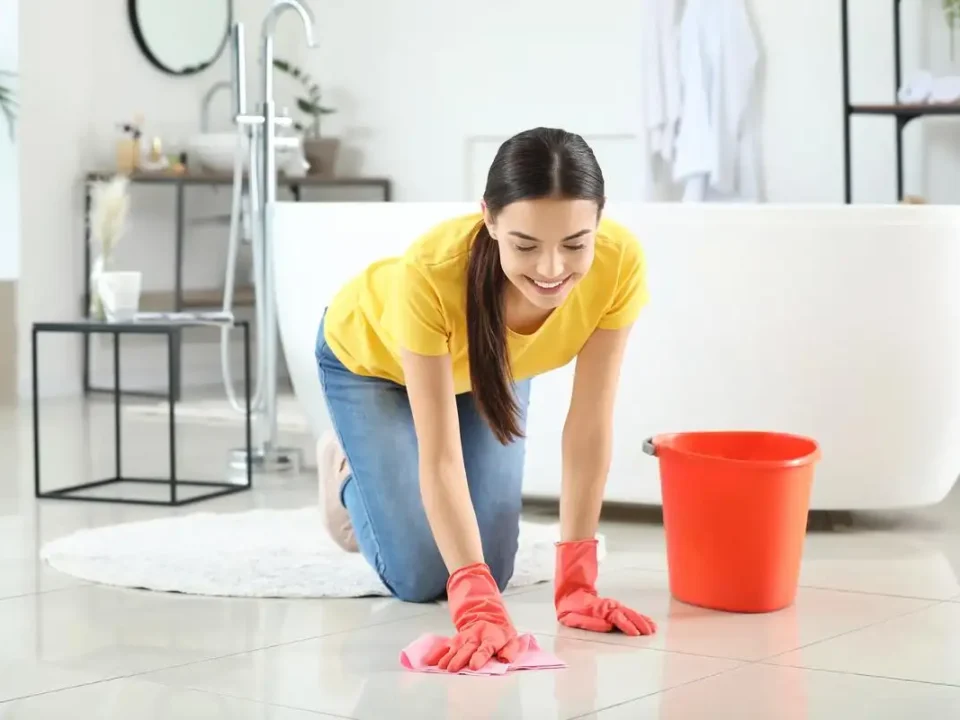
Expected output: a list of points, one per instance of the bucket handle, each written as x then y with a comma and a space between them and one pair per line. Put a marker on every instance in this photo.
649, 448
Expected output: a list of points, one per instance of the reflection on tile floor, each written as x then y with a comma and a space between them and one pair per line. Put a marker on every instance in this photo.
875, 631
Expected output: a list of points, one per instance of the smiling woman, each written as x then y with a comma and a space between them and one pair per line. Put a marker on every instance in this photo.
425, 362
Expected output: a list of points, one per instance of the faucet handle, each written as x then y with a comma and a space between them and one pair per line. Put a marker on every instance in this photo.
258, 120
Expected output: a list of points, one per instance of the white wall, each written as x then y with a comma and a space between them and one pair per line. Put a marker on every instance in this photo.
9, 205
432, 125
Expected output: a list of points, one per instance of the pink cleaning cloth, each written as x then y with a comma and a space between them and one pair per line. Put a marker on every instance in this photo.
531, 657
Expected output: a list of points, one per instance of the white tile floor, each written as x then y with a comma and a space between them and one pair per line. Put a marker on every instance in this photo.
875, 632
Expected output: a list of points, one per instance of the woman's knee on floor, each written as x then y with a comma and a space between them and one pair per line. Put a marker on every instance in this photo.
426, 582
501, 561
499, 534
421, 581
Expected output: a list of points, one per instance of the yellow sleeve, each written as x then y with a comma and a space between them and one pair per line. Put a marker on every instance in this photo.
419, 313
631, 288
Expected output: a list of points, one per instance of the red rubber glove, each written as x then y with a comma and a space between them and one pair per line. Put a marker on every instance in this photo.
483, 626
575, 594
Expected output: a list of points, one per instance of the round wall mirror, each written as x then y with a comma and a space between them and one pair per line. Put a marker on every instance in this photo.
181, 37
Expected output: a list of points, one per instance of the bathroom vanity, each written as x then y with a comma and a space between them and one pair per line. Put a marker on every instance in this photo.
841, 323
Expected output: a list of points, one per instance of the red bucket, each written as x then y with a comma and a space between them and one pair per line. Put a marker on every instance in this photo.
735, 508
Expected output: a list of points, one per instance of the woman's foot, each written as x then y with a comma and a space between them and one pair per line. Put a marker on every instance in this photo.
333, 469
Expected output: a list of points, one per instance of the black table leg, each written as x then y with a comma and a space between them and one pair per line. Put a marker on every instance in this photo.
86, 284
36, 414
178, 282
246, 393
173, 346
116, 407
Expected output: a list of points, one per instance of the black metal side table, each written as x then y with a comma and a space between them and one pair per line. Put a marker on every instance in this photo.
173, 330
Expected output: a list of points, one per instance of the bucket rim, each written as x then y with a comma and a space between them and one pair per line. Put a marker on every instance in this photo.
656, 444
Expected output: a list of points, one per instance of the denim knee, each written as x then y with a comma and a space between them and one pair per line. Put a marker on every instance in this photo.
499, 521
424, 581
425, 585
501, 562
417, 582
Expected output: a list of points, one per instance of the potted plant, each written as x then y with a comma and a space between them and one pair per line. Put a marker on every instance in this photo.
321, 152
7, 102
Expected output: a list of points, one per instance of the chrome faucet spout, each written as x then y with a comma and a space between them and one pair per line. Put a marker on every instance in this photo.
269, 29
278, 8
205, 103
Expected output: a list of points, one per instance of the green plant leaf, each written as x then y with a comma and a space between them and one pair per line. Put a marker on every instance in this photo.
8, 104
305, 106
951, 11
311, 104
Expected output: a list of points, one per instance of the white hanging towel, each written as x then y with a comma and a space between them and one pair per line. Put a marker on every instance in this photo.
661, 77
717, 144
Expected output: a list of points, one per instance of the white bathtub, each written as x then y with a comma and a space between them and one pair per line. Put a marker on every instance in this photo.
842, 323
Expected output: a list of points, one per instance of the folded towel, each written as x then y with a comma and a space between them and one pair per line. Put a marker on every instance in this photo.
945, 89
531, 657
916, 90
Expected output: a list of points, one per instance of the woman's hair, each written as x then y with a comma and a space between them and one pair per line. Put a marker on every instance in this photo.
534, 164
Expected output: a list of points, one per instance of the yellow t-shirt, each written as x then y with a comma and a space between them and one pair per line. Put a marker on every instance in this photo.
418, 301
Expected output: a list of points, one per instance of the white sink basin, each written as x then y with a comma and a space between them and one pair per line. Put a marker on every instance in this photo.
216, 151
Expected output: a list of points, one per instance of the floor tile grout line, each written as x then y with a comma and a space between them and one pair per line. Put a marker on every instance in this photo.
805, 586
857, 674
873, 594
932, 604
318, 713
215, 658
663, 691
20, 596
801, 584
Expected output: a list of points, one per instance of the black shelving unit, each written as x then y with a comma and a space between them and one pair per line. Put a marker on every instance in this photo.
902, 114
180, 182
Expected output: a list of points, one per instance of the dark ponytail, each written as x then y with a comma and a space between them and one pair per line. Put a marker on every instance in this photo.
534, 164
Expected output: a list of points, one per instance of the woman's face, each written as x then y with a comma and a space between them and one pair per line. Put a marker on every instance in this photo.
546, 246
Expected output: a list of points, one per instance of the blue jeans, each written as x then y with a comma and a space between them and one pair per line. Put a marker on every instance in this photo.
374, 424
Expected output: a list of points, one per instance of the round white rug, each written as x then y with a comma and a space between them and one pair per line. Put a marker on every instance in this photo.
257, 553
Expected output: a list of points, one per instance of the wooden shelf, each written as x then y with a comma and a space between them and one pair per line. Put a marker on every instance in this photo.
907, 111
163, 300
207, 177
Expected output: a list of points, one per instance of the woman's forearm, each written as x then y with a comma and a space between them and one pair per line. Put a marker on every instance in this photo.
586, 463
446, 500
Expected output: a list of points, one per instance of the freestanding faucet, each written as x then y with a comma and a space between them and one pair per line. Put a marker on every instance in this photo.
260, 129
268, 195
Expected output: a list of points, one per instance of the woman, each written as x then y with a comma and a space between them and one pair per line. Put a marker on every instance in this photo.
425, 362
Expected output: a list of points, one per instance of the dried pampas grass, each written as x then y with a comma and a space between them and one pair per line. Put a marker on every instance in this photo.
109, 208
